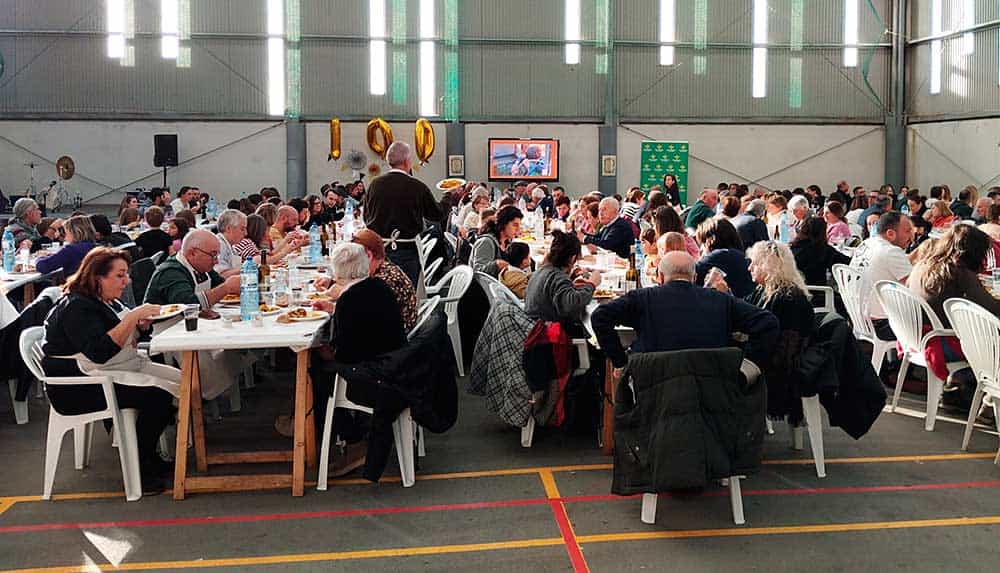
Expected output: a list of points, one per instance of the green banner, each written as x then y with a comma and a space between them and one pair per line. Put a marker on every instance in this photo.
660, 158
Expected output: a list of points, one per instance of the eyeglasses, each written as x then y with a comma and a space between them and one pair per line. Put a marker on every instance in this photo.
214, 256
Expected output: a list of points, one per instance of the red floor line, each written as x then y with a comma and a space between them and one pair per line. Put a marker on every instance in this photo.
569, 538
475, 505
273, 516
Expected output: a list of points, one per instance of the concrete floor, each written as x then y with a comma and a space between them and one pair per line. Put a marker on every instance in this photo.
884, 505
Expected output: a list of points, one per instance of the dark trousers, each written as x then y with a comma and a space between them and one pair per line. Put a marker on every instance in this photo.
407, 259
882, 329
154, 405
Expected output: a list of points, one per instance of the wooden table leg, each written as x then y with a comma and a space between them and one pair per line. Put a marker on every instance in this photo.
29, 294
200, 457
608, 422
183, 425
311, 460
299, 440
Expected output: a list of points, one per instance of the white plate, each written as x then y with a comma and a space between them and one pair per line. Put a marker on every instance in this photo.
277, 310
440, 188
313, 315
169, 314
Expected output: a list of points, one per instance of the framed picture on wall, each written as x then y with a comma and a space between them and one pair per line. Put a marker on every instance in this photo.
456, 166
609, 165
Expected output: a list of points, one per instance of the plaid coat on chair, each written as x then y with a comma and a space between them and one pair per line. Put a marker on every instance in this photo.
497, 365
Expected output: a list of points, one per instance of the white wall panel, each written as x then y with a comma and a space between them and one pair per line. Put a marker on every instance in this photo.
956, 153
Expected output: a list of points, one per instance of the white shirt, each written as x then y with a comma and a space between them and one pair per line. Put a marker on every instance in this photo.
177, 205
228, 260
880, 260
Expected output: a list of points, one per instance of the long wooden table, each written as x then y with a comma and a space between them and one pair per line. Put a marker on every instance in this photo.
211, 335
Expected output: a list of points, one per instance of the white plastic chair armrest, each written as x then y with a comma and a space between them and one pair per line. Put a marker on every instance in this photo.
580, 344
446, 300
431, 290
936, 333
65, 380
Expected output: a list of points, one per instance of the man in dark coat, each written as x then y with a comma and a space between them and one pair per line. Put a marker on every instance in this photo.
616, 233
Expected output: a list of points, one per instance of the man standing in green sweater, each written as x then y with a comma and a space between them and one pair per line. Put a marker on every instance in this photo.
703, 209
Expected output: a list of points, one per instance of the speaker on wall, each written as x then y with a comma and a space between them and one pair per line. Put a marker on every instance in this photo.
165, 150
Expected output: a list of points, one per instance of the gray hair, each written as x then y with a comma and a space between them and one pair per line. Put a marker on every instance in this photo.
350, 261
195, 239
22, 206
677, 264
81, 228
398, 153
797, 202
611, 202
757, 208
229, 219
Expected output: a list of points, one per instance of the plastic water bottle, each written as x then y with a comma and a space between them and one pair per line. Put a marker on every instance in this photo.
522, 205
8, 251
539, 227
784, 229
996, 280
348, 221
249, 292
315, 244
212, 208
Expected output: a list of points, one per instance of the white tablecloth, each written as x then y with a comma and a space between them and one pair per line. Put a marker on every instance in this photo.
211, 335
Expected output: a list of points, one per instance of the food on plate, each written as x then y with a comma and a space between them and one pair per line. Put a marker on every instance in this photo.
318, 296
450, 183
170, 309
298, 313
603, 293
230, 298
268, 308
24, 268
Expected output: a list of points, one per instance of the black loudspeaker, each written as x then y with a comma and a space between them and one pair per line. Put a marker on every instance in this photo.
165, 150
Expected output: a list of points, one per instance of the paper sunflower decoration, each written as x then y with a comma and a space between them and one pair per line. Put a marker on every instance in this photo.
374, 170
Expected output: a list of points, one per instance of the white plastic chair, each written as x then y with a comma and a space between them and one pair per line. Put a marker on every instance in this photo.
425, 246
851, 284
735, 501
83, 424
827, 293
979, 332
814, 424
431, 269
452, 240
402, 429
457, 280
905, 312
500, 293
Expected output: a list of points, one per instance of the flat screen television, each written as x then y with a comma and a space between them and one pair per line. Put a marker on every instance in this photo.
527, 159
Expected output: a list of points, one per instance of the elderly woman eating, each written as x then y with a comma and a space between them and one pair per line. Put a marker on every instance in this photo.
92, 332
367, 323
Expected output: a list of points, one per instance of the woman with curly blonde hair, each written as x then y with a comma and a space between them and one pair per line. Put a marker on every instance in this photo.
782, 291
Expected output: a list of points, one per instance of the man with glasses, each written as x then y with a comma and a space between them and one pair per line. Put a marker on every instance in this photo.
27, 215
189, 278
232, 229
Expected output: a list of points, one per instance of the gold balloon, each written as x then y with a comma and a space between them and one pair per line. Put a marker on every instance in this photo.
375, 127
423, 138
334, 140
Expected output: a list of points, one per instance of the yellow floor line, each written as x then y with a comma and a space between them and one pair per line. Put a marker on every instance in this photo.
790, 529
7, 502
525, 544
306, 557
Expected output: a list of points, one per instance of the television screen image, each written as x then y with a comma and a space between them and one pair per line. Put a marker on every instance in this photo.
528, 159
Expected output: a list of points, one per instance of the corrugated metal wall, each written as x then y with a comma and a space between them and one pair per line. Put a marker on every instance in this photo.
510, 62
970, 84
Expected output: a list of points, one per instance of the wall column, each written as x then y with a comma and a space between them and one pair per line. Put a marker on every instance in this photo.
295, 152
895, 119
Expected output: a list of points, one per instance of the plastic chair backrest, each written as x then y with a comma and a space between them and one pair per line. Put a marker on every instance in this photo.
501, 293
458, 280
431, 270
141, 272
31, 351
906, 313
487, 281
426, 246
427, 307
158, 257
850, 283
979, 332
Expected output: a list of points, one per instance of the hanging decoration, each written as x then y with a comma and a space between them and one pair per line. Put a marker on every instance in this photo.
376, 127
423, 137
355, 161
334, 140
